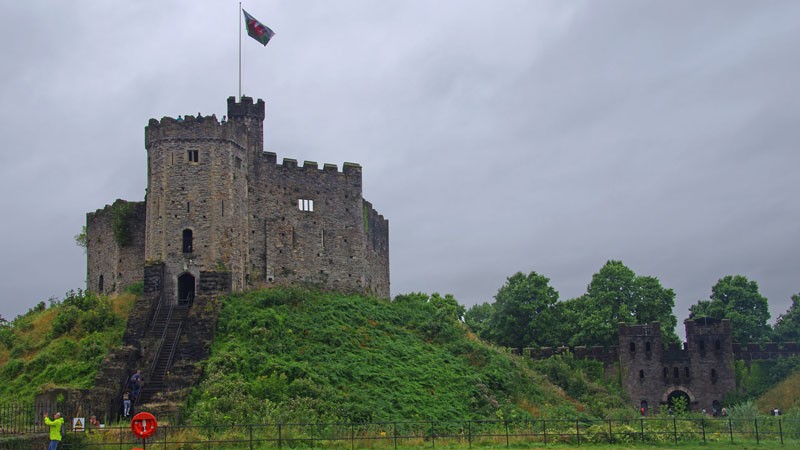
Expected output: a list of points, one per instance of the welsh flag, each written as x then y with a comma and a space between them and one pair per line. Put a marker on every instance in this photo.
257, 30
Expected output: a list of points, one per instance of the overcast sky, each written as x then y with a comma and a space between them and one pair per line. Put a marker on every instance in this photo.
495, 136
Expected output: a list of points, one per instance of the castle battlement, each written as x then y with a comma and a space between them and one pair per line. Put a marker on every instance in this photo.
348, 168
246, 108
192, 128
770, 350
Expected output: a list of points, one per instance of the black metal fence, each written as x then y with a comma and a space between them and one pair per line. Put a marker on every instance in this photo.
17, 429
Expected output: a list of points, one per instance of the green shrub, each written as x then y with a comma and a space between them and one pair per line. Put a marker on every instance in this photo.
11, 369
65, 320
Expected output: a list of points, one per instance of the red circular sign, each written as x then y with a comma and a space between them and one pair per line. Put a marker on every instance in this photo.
144, 425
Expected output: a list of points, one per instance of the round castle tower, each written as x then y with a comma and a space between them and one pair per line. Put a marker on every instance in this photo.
197, 196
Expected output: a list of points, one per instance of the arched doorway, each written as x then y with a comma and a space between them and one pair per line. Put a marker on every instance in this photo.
679, 401
186, 289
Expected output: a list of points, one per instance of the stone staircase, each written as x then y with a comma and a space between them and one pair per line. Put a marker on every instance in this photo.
165, 332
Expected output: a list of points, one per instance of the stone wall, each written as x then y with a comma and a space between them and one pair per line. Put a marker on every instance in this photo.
311, 226
110, 267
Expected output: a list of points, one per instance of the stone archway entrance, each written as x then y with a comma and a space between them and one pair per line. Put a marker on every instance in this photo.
679, 399
186, 286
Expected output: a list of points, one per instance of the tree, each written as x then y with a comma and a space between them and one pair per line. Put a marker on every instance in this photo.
616, 294
523, 312
736, 298
81, 239
787, 327
477, 317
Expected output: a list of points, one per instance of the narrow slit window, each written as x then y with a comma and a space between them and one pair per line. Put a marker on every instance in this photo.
305, 205
187, 241
194, 155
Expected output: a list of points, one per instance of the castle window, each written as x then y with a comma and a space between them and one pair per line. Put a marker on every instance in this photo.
193, 155
717, 345
702, 345
676, 373
647, 346
641, 374
305, 205
713, 375
100, 285
188, 207
666, 372
633, 346
187, 241
686, 372
237, 163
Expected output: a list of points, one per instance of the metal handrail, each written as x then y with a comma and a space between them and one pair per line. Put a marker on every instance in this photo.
174, 347
158, 309
161, 341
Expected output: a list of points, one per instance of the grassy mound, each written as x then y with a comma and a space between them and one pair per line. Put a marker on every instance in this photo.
61, 345
293, 355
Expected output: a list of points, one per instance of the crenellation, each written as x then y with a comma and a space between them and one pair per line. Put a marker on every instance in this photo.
246, 108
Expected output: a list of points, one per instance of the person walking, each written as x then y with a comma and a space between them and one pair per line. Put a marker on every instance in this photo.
55, 429
126, 404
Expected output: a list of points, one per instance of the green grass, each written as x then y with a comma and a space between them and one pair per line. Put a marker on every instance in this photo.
62, 345
293, 355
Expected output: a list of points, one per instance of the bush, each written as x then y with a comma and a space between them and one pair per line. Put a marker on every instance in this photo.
65, 321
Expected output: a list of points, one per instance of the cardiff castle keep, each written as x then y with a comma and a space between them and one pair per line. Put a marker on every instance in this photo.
222, 215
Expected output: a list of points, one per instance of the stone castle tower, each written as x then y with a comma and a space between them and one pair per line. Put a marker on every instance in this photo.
223, 215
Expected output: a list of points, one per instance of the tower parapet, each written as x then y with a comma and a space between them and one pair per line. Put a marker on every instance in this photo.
246, 108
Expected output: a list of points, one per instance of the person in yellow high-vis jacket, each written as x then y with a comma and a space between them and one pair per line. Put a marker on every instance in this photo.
55, 429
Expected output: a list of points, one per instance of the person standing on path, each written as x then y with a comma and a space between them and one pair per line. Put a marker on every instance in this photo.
55, 429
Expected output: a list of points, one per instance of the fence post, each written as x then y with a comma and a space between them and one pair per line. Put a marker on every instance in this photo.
755, 421
780, 430
395, 435
675, 428
610, 433
469, 433
578, 431
730, 428
642, 424
544, 426
250, 428
703, 427
280, 437
352, 435
433, 435
506, 424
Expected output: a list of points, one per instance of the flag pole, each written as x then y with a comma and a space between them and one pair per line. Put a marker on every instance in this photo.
240, 50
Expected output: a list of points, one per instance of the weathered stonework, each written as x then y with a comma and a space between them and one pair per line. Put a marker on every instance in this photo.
701, 371
110, 266
217, 202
